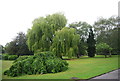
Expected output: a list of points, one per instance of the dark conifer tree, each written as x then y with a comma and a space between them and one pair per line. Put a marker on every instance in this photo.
91, 44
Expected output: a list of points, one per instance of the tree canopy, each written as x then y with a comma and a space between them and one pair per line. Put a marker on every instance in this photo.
42, 32
103, 48
18, 46
65, 42
106, 31
82, 29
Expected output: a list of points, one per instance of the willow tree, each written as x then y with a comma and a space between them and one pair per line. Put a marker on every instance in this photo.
41, 34
65, 42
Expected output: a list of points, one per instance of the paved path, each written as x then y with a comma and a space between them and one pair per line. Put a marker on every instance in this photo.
110, 75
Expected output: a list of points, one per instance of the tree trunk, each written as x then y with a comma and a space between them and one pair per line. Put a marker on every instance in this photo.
78, 56
61, 57
110, 54
105, 55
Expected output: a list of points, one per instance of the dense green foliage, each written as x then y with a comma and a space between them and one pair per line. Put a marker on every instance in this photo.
82, 28
42, 32
106, 31
42, 63
9, 57
65, 42
82, 47
18, 46
103, 48
2, 49
91, 44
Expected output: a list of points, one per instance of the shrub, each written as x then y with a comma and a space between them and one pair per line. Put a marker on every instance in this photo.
42, 63
103, 49
12, 57
5, 56
9, 57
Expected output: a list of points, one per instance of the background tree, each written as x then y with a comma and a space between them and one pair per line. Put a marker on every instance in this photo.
18, 46
118, 26
82, 28
42, 32
103, 49
11, 48
106, 31
82, 48
2, 50
104, 24
91, 44
65, 42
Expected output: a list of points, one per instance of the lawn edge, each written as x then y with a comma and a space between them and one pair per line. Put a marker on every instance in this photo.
102, 74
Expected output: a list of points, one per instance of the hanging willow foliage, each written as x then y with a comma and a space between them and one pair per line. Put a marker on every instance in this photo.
39, 37
65, 42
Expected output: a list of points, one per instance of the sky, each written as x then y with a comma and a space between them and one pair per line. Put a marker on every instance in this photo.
17, 15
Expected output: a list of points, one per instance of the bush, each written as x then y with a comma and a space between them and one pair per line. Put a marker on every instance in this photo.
42, 63
9, 57
5, 56
103, 48
12, 57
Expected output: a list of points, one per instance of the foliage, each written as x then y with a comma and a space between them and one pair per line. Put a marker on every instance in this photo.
91, 44
82, 28
38, 64
18, 46
2, 49
9, 57
40, 37
107, 29
104, 24
46, 52
65, 42
103, 48
82, 47
113, 36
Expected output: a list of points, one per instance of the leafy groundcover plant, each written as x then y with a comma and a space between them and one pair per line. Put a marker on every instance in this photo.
45, 62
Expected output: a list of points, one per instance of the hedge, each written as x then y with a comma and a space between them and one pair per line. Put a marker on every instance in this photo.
9, 57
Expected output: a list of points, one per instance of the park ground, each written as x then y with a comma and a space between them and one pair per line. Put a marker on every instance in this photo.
82, 68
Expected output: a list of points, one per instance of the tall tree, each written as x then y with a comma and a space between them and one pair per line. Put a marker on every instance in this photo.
42, 32
65, 42
82, 48
107, 31
2, 50
91, 44
82, 28
104, 24
18, 46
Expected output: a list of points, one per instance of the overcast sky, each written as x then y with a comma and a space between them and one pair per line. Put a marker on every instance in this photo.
17, 15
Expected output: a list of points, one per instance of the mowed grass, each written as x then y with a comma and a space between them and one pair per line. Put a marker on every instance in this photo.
82, 68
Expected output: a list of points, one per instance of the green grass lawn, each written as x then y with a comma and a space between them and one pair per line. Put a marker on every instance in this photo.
83, 68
